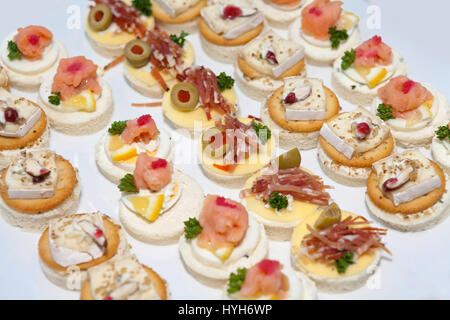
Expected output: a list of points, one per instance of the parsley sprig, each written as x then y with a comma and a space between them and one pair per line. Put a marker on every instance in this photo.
192, 228
443, 132
224, 82
263, 132
117, 127
14, 52
55, 98
344, 261
236, 280
385, 112
127, 184
278, 201
348, 59
179, 40
336, 36
144, 6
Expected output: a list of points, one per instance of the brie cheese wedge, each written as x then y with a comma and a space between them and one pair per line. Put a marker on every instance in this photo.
176, 7
27, 116
310, 98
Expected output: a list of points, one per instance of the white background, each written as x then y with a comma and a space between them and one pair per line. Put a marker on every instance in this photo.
420, 264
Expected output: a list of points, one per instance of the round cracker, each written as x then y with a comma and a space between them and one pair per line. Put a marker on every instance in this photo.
250, 72
188, 15
417, 205
67, 178
278, 112
362, 160
112, 236
213, 37
157, 281
7, 143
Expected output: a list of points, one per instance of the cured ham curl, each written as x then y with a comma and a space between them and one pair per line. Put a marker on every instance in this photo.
351, 234
301, 185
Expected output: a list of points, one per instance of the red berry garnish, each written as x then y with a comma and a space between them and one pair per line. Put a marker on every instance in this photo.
108, 298
33, 39
363, 128
315, 11
221, 201
376, 40
270, 56
389, 184
143, 120
269, 267
231, 12
98, 233
75, 67
290, 98
158, 164
11, 115
407, 86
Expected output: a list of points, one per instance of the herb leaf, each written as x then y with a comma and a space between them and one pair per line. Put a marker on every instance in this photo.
385, 112
192, 228
263, 132
236, 280
144, 6
224, 82
336, 36
443, 132
278, 201
127, 184
179, 40
55, 98
344, 261
117, 127
348, 59
14, 52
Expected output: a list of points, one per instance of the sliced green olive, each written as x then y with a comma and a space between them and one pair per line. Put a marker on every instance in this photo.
209, 135
184, 96
290, 159
137, 53
100, 17
329, 216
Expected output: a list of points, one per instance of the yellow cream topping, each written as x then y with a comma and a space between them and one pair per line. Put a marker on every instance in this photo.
320, 268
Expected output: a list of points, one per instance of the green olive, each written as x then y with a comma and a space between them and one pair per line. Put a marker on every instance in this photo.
207, 138
137, 53
184, 96
290, 159
100, 17
329, 216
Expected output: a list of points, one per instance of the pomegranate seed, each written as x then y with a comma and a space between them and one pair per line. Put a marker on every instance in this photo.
270, 56
389, 183
143, 120
231, 12
33, 39
75, 67
221, 201
98, 233
363, 128
269, 267
315, 11
290, 98
158, 164
376, 40
11, 115
407, 86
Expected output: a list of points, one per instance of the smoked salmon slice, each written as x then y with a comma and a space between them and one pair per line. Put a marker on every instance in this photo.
32, 41
152, 173
141, 129
373, 52
319, 16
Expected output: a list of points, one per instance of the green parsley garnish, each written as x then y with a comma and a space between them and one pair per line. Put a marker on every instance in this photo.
344, 261
262, 131
14, 52
236, 280
348, 59
117, 127
55, 98
224, 82
278, 201
127, 184
144, 6
336, 36
385, 112
443, 132
179, 40
192, 228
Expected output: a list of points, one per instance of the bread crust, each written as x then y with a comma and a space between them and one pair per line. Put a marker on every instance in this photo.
66, 177
417, 205
186, 16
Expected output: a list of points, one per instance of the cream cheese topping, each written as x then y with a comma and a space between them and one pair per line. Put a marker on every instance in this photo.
231, 28
340, 132
77, 239
223, 257
415, 174
27, 116
25, 169
122, 278
24, 66
176, 7
287, 54
310, 96
4, 79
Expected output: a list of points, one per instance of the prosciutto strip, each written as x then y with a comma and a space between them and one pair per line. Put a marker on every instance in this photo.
331, 243
301, 185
